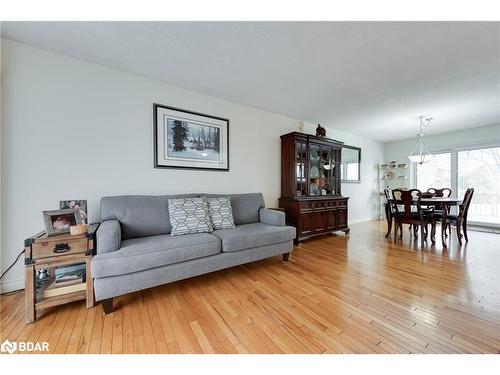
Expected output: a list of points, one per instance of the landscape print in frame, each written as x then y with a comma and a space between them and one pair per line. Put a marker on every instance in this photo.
186, 139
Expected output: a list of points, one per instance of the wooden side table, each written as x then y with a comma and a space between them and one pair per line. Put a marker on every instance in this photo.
49, 252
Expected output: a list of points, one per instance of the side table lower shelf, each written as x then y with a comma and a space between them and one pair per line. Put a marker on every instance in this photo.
33, 307
60, 300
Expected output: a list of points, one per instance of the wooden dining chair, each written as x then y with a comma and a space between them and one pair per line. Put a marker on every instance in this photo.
441, 193
460, 220
389, 213
406, 214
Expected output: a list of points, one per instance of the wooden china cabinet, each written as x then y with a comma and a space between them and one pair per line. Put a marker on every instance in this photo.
310, 185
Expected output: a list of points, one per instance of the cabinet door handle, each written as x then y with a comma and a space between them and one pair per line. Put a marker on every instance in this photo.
61, 248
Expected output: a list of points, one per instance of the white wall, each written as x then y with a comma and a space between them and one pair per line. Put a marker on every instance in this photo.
73, 129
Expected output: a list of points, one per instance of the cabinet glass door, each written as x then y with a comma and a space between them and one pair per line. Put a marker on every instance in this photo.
335, 174
315, 173
328, 170
300, 174
321, 170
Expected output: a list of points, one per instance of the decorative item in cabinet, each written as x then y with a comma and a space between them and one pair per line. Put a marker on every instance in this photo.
310, 185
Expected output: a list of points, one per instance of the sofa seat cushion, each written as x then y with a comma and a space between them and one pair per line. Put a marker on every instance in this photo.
248, 236
149, 252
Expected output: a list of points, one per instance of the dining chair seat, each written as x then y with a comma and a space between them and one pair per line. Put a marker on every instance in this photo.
415, 215
449, 217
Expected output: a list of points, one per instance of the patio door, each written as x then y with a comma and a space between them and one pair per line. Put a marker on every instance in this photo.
463, 168
480, 169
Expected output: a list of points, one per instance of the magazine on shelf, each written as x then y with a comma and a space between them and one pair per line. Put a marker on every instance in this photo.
73, 272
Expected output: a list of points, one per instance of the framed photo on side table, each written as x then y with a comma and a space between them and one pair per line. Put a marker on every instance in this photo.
185, 139
77, 204
59, 221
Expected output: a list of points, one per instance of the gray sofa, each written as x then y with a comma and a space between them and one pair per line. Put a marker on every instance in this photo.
135, 250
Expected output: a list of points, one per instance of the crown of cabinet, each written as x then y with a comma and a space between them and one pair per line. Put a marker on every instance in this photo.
296, 136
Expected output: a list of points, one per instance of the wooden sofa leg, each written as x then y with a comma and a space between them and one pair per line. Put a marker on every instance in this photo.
107, 305
286, 257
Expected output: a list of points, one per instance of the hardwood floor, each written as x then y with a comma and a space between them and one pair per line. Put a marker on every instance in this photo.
363, 294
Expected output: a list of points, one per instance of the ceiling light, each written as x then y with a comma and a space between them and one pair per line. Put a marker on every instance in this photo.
420, 153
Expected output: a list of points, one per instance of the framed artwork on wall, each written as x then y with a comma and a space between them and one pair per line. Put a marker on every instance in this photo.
185, 139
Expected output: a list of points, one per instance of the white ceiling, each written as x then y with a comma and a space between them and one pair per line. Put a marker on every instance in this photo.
369, 78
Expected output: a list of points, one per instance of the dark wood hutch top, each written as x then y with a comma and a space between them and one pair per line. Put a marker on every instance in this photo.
312, 138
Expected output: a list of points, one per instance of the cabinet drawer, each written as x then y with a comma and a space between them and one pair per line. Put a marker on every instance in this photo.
342, 203
306, 206
47, 249
331, 204
319, 205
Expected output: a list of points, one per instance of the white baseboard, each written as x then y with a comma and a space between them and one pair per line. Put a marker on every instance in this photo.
9, 286
362, 220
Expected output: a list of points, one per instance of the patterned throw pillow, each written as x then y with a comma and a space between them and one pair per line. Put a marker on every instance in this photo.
221, 212
189, 215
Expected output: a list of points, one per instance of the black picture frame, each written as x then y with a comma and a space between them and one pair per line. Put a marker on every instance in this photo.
225, 136
358, 180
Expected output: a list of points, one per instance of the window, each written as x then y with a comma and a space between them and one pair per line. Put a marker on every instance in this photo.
480, 169
477, 168
436, 173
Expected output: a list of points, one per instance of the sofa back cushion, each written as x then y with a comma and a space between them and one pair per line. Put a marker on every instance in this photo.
245, 206
189, 216
221, 212
139, 215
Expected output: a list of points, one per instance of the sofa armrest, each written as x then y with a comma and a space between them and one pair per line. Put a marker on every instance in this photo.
109, 236
272, 217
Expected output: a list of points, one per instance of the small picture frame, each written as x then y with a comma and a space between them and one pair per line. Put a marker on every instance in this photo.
77, 204
60, 221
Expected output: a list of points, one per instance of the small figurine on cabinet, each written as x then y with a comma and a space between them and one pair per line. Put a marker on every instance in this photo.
320, 131
301, 127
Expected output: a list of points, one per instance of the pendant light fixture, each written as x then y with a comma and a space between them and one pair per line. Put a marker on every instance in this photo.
420, 153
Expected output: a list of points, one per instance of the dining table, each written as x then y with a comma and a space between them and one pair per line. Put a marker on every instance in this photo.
444, 204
